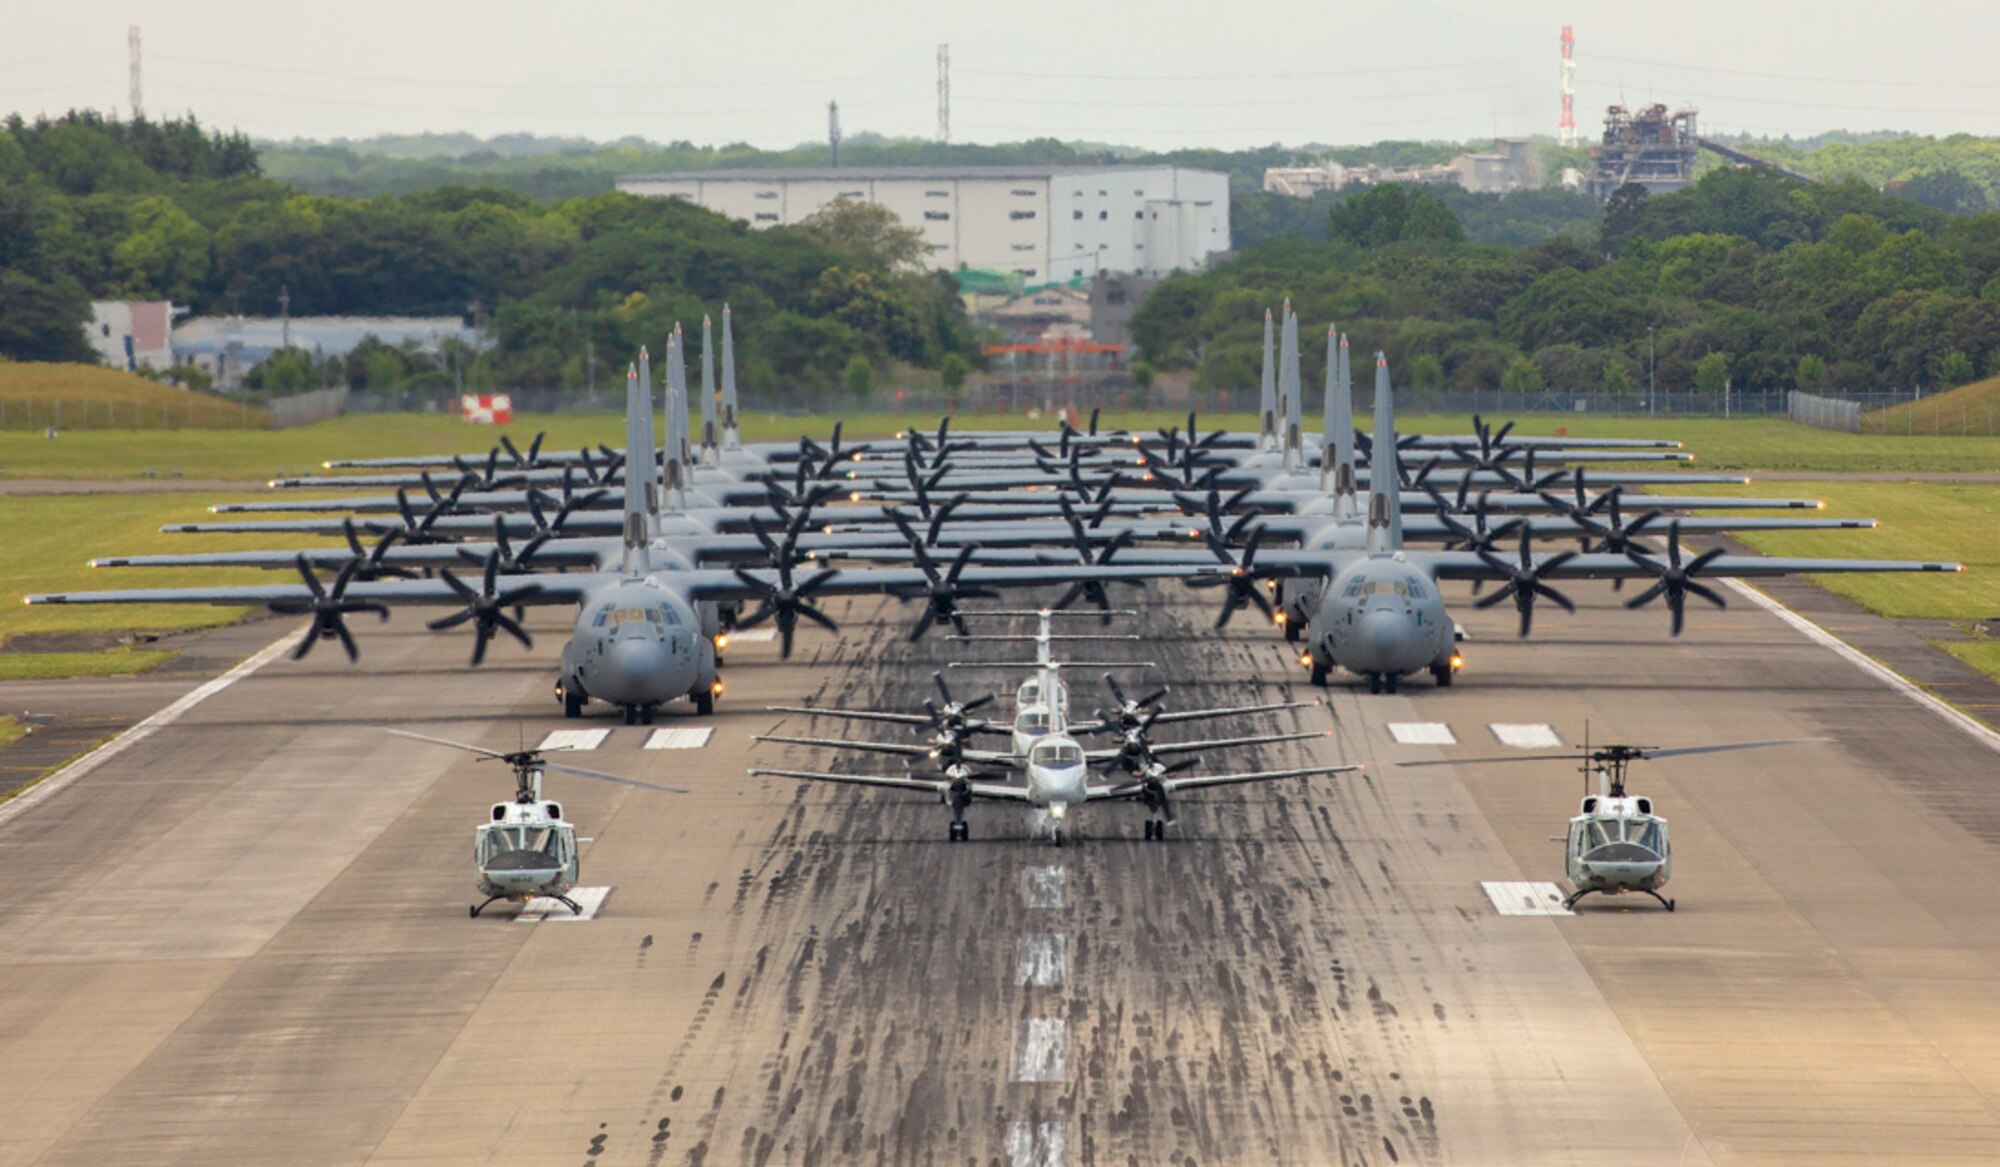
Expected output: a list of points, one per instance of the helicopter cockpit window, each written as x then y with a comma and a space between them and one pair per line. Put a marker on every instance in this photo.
1646, 834
547, 840
1602, 833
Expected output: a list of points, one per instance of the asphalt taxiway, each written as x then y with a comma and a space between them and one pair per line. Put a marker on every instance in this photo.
243, 939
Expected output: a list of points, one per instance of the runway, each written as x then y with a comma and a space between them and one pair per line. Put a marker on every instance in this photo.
244, 939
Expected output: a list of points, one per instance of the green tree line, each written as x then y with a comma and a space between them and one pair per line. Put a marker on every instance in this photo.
92, 208
1773, 284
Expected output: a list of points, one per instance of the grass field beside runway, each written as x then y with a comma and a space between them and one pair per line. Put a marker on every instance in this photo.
50, 539
1748, 445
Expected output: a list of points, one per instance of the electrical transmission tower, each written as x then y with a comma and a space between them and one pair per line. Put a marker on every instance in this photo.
138, 98
944, 93
1566, 128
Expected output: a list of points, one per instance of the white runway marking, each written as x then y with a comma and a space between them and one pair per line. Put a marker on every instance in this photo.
1422, 733
574, 739
678, 739
1043, 887
1044, 961
1037, 1144
1526, 899
753, 635
1527, 737
1043, 1052
541, 908
47, 787
1978, 729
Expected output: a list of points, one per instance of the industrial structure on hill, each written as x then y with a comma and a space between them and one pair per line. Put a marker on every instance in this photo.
1013, 227
1508, 166
1655, 149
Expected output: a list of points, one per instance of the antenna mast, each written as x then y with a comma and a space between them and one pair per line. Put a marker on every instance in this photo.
1566, 128
944, 93
833, 133
137, 97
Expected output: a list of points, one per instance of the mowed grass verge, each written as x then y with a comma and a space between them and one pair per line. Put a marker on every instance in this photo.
1747, 445
49, 540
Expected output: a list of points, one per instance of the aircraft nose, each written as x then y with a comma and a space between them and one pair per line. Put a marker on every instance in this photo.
633, 672
1381, 636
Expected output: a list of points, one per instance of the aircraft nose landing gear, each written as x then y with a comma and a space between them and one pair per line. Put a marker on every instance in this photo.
960, 832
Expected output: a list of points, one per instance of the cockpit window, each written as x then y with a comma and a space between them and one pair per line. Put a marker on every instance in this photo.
670, 616
1058, 754
634, 616
603, 614
502, 840
1646, 834
1036, 721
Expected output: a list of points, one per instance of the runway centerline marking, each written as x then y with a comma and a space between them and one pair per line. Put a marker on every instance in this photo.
1974, 727
41, 791
574, 739
1037, 1144
1526, 899
1044, 887
1526, 737
543, 909
679, 739
1422, 733
1043, 1051
1044, 961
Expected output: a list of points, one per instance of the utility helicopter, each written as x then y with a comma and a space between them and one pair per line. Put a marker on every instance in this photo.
1616, 843
527, 849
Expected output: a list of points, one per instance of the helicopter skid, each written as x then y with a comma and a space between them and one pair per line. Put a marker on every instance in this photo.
1575, 896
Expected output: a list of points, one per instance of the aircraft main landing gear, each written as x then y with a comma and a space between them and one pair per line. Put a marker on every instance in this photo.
704, 701
1156, 830
572, 699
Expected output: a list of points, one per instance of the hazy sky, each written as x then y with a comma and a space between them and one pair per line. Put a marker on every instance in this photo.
1162, 73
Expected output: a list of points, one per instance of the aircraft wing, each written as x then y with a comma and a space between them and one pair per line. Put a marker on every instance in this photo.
712, 584
1199, 715
553, 589
1231, 742
917, 719
554, 553
1197, 781
1465, 565
902, 749
903, 782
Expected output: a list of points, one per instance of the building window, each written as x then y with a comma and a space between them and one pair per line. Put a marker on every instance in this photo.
1139, 246
1079, 272
1024, 247
1024, 193
1138, 214
1076, 215
1020, 214
107, 329
766, 217
1138, 194
1103, 194
937, 215
767, 194
940, 247
1103, 215
937, 194
1025, 271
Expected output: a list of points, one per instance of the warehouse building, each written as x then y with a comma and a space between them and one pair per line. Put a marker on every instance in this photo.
1024, 225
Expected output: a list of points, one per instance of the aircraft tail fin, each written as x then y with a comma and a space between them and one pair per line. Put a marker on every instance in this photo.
732, 434
1267, 394
1385, 510
640, 493
708, 442
674, 463
1290, 386
1338, 443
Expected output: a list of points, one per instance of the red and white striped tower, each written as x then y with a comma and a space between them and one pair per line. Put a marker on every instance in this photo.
1566, 128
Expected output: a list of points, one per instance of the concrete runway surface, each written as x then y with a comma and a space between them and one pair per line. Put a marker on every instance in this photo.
243, 940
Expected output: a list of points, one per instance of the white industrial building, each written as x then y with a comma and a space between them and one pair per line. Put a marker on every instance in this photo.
1032, 224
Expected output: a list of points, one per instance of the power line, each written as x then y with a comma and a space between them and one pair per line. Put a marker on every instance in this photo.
1342, 99
1716, 69
515, 87
1268, 75
358, 103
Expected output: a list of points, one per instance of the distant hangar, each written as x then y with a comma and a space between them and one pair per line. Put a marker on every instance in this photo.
1027, 225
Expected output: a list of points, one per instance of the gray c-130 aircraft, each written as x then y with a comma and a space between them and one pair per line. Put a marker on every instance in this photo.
641, 637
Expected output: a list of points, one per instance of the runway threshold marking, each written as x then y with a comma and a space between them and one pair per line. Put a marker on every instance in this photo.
1044, 961
753, 636
1526, 737
679, 739
41, 791
1976, 728
1037, 1144
574, 739
1044, 887
1526, 899
1043, 1051
542, 909
1422, 733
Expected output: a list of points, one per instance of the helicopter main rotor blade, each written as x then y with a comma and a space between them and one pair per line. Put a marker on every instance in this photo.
618, 778
442, 741
1639, 752
1682, 750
